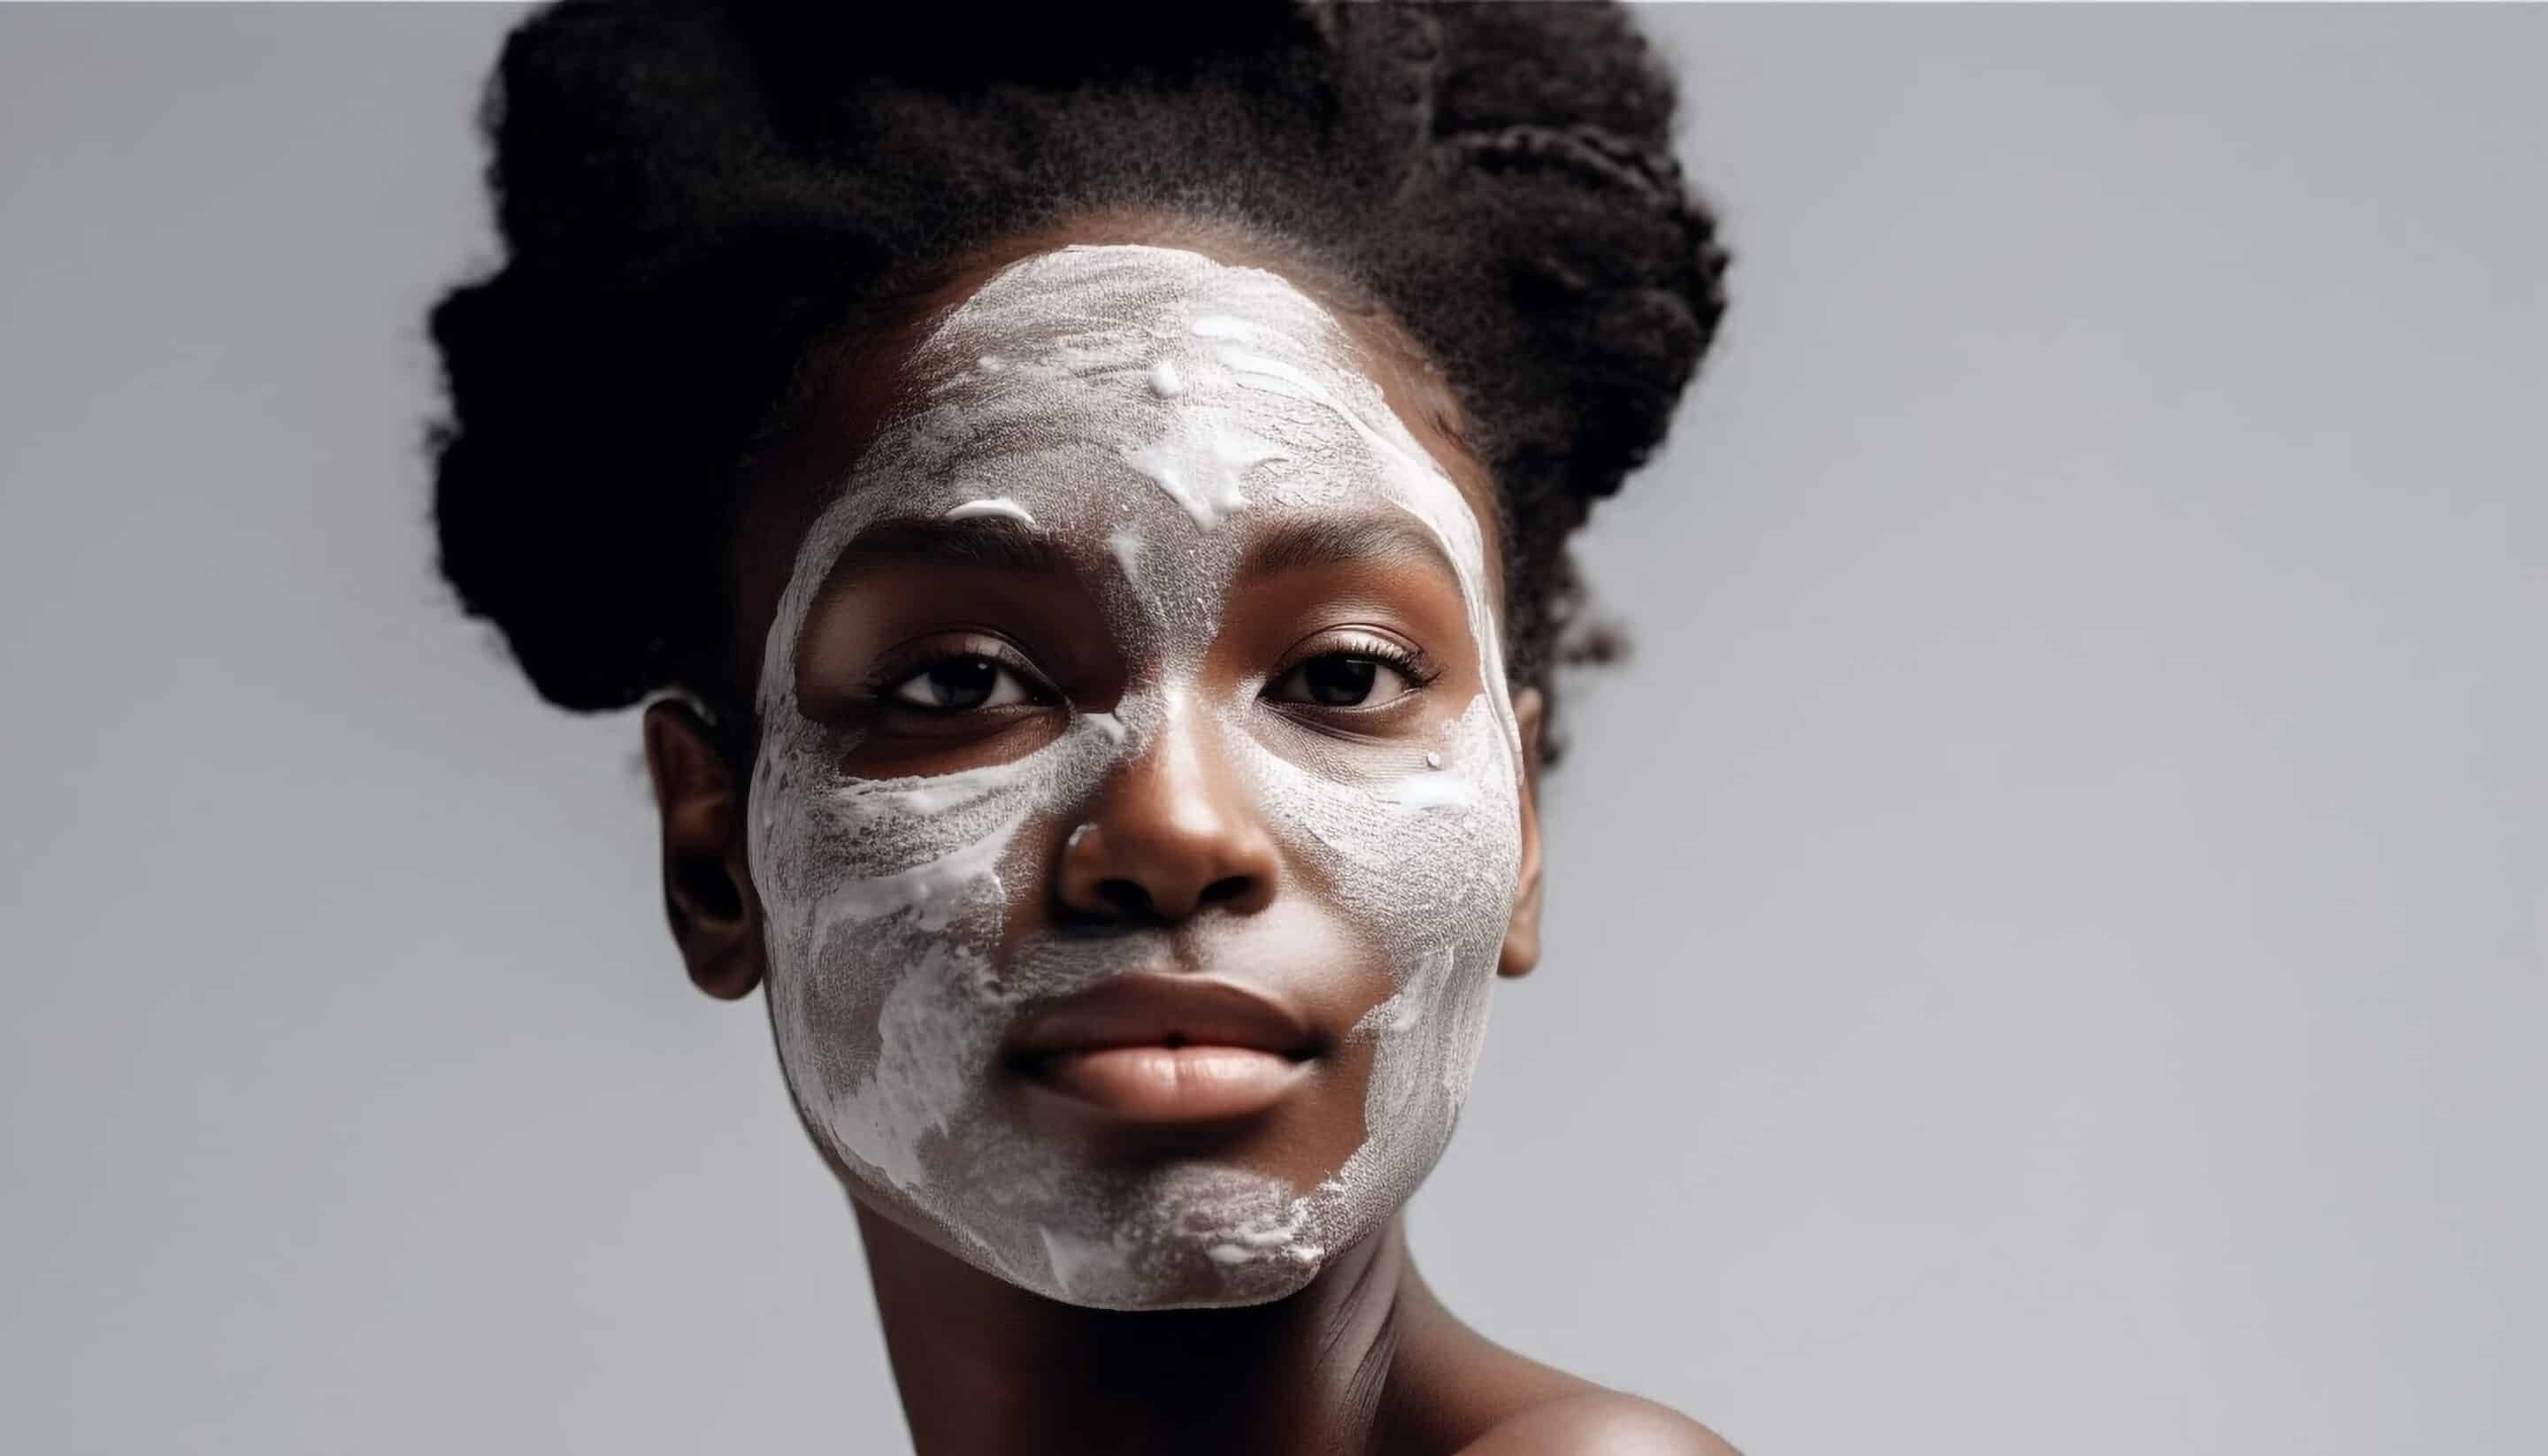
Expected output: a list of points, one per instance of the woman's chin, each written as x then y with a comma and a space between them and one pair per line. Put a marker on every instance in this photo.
1188, 1278
1193, 1235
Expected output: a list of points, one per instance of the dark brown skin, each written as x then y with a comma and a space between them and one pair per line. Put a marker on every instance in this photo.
1362, 1360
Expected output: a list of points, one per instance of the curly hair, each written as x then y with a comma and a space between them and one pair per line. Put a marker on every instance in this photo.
693, 195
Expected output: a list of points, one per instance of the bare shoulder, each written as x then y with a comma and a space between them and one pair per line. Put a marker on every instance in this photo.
1599, 1423
1452, 1388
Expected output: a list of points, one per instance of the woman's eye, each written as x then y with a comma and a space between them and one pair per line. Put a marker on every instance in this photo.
960, 684
1342, 679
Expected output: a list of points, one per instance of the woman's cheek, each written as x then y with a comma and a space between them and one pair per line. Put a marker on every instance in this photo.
1423, 850
885, 945
1423, 858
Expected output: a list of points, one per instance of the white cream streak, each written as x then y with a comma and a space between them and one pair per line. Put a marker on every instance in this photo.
1143, 405
996, 506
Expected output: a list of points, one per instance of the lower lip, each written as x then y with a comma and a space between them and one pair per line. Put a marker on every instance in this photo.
1172, 1084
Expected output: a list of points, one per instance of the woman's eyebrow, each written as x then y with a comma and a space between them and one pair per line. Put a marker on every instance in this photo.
1305, 543
973, 540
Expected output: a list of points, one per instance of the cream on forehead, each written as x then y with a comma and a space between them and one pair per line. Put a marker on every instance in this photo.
1150, 401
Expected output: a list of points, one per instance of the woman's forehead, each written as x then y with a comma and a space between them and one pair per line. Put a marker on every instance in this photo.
1094, 307
1093, 361
1092, 382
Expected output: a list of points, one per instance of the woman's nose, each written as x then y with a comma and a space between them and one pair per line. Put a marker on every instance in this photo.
1170, 832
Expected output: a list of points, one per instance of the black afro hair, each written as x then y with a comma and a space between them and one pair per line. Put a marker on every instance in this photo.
693, 194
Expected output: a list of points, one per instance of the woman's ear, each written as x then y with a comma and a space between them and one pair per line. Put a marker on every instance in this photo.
1522, 938
707, 879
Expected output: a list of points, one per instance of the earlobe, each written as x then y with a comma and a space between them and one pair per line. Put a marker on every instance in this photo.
707, 877
1521, 937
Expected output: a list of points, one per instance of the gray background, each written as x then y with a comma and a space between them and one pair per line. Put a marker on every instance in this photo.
2045, 940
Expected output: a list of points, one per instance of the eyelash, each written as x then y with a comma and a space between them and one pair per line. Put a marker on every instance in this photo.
1409, 662
883, 688
1411, 665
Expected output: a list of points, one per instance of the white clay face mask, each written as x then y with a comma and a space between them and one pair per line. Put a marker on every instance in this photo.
1154, 417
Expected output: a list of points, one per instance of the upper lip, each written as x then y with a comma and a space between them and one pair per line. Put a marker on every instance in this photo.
1151, 1010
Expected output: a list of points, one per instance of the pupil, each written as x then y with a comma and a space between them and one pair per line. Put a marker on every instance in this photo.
1340, 681
963, 683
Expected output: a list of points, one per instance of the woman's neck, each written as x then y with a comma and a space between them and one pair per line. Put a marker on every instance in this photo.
984, 1366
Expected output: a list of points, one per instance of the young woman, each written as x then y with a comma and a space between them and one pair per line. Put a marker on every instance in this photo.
1084, 499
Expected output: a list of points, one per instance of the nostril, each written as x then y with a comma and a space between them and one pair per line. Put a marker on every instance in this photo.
1230, 887
1127, 900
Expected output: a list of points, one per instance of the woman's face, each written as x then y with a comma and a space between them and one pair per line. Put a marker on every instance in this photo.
1139, 808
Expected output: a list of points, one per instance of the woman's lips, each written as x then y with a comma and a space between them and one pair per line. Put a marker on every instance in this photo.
1171, 1084
1166, 1049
